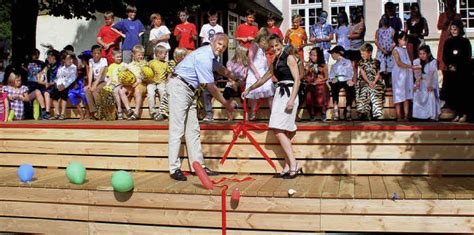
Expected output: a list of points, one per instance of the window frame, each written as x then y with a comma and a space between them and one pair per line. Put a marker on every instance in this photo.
347, 7
400, 4
306, 6
458, 10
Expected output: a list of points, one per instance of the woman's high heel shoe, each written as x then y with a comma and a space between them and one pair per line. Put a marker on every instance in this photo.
293, 174
282, 174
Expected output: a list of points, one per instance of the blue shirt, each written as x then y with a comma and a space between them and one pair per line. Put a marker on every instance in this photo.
320, 32
131, 29
198, 67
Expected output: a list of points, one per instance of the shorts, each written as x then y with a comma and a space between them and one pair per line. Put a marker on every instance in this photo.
55, 94
131, 90
73, 95
33, 86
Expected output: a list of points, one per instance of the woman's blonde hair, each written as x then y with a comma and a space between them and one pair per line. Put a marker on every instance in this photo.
241, 55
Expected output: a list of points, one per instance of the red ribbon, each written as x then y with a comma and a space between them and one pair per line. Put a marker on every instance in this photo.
223, 198
242, 127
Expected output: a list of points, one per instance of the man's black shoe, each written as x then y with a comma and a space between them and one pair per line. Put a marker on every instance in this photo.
208, 171
178, 175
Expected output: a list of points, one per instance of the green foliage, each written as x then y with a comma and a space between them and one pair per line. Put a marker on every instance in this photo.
80, 8
5, 23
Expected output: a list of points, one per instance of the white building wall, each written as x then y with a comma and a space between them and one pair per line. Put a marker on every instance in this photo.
59, 32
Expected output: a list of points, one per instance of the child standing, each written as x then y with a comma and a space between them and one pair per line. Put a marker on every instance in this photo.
317, 91
185, 32
296, 36
246, 33
114, 83
426, 103
161, 72
402, 77
238, 65
341, 76
322, 34
160, 34
210, 29
17, 94
108, 38
95, 78
67, 74
370, 86
137, 88
384, 42
131, 30
4, 105
271, 26
258, 66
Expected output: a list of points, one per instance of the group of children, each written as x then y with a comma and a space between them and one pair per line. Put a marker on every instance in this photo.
105, 78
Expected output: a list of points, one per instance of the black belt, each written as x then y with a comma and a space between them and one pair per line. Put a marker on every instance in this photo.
285, 88
185, 82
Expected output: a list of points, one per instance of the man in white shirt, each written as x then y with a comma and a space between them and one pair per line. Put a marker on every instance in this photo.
209, 30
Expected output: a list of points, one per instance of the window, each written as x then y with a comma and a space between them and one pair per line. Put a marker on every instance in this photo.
308, 10
343, 5
466, 9
404, 14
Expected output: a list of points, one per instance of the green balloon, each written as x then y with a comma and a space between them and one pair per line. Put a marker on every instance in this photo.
76, 173
122, 181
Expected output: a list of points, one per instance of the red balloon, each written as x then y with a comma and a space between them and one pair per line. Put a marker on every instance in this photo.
206, 182
235, 195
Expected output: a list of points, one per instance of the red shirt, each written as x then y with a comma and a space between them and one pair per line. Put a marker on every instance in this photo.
187, 31
107, 35
245, 30
276, 31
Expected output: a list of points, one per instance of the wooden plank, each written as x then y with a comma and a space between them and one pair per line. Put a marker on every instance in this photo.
415, 224
269, 187
44, 195
392, 186
397, 207
409, 188
252, 189
43, 226
377, 187
205, 202
346, 189
409, 152
427, 192
331, 187
389, 167
73, 135
443, 190
241, 220
113, 229
43, 210
362, 187
413, 137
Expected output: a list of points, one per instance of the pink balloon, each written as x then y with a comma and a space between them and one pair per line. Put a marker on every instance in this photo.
206, 182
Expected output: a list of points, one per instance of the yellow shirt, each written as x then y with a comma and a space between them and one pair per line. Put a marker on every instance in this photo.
136, 68
161, 70
112, 73
297, 37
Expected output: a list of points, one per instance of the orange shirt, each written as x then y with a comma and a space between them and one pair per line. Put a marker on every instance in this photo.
297, 37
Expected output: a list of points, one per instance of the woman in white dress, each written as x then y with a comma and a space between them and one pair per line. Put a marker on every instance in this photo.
402, 77
258, 65
426, 103
285, 102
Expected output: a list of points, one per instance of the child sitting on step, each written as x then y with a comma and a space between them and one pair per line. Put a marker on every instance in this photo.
161, 72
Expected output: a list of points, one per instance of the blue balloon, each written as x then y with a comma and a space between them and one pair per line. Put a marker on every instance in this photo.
26, 173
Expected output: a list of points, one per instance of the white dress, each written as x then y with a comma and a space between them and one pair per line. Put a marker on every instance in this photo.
426, 105
402, 78
261, 64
